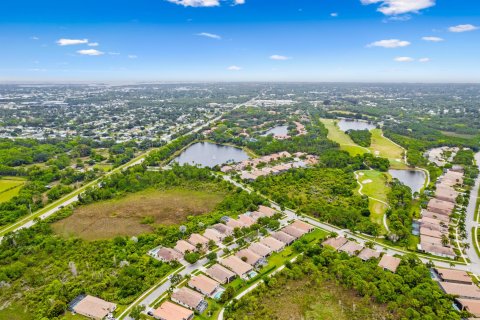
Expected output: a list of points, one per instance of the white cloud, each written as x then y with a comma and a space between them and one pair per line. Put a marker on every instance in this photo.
209, 35
424, 60
394, 7
463, 28
196, 3
114, 53
35, 38
390, 43
403, 59
93, 44
279, 57
238, 2
71, 42
433, 39
234, 68
132, 56
90, 52
334, 14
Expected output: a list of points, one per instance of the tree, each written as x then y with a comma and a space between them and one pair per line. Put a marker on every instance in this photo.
212, 256
137, 311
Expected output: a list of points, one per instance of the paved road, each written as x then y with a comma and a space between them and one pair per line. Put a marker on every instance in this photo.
470, 221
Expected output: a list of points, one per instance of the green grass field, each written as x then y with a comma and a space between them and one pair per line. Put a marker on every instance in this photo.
10, 187
385, 148
381, 146
343, 139
374, 185
124, 216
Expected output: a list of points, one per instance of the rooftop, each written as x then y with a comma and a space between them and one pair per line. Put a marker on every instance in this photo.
389, 263
172, 311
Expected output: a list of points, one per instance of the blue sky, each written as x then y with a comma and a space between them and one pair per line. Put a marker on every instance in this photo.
240, 40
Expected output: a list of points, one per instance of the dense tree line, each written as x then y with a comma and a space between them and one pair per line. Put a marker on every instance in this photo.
410, 293
400, 213
325, 193
361, 137
161, 154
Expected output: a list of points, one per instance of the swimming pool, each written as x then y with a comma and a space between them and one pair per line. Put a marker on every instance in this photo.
252, 274
218, 293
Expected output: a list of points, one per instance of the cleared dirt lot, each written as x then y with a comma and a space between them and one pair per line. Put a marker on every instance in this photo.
124, 216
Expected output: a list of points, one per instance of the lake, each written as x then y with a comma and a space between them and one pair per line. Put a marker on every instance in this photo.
415, 179
346, 125
280, 130
208, 154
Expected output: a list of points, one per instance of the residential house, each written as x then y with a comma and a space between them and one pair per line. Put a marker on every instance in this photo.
260, 249
335, 243
198, 240
220, 274
183, 246
433, 215
168, 255
467, 291
190, 299
172, 311
430, 233
273, 243
267, 211
455, 276
446, 193
242, 269
93, 307
246, 220
284, 237
441, 207
438, 250
250, 257
223, 229
367, 254
213, 234
351, 248
294, 232
307, 227
389, 263
204, 285
469, 305
232, 223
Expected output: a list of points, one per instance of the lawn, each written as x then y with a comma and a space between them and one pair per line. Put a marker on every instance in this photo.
15, 312
124, 216
374, 185
10, 187
385, 148
343, 139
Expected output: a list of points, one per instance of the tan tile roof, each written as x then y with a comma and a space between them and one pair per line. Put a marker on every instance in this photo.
437, 216
470, 305
267, 211
203, 284
440, 206
172, 311
196, 238
251, 257
431, 240
368, 253
335, 243
246, 220
187, 297
431, 233
437, 249
183, 246
168, 254
454, 275
260, 249
219, 273
389, 263
273, 243
232, 223
351, 247
302, 225
462, 290
94, 307
213, 234
223, 229
236, 265
284, 237
446, 193
294, 232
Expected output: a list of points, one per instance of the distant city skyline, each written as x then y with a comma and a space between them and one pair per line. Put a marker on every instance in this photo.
240, 40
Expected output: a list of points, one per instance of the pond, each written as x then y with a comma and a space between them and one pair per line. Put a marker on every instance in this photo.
415, 179
346, 125
280, 130
208, 154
